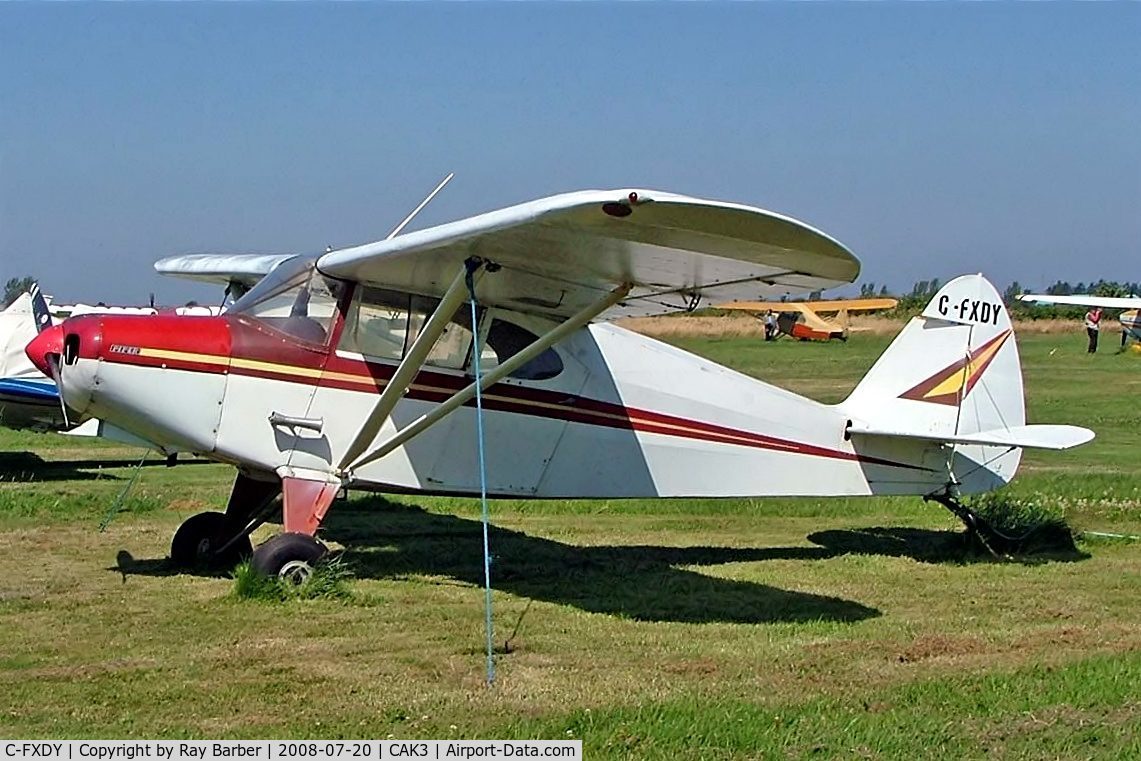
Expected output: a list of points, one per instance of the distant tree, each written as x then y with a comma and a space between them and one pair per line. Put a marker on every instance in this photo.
1012, 292
815, 296
914, 301
1104, 288
883, 291
924, 289
13, 288
867, 290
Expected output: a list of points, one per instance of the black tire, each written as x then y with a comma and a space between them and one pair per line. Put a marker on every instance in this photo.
196, 543
290, 555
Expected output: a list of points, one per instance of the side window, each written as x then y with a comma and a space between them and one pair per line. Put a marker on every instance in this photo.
506, 339
453, 347
384, 324
377, 323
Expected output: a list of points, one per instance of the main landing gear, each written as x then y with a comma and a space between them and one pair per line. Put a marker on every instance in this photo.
208, 540
291, 556
219, 541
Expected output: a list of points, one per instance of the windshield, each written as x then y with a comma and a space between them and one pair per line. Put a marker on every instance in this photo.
295, 299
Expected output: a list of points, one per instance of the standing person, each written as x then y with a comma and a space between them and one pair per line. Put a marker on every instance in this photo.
1093, 326
770, 325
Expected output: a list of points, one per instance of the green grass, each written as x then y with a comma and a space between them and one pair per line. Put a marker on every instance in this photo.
1039, 712
1020, 520
328, 581
649, 628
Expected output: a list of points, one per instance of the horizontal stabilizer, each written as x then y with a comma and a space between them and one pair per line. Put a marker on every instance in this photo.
1024, 436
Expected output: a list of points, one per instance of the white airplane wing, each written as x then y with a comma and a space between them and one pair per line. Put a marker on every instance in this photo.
223, 269
559, 254
1086, 300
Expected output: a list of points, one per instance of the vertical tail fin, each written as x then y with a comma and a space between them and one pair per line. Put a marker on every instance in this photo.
953, 376
40, 308
953, 370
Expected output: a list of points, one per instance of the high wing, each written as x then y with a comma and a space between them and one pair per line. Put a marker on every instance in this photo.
558, 254
224, 269
1087, 300
836, 305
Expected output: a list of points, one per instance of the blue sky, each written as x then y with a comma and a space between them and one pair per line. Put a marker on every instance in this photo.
932, 139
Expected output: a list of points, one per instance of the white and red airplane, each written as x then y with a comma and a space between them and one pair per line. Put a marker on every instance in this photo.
354, 369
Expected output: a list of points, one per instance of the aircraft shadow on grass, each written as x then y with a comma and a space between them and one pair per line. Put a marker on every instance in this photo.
387, 540
935, 546
384, 539
28, 467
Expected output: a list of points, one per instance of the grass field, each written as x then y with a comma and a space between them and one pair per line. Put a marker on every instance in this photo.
649, 629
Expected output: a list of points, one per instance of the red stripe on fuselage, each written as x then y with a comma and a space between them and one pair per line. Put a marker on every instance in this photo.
232, 339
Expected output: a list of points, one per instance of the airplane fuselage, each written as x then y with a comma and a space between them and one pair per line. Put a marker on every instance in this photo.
626, 416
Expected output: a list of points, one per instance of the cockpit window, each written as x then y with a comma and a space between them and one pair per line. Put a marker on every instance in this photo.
384, 324
294, 299
377, 323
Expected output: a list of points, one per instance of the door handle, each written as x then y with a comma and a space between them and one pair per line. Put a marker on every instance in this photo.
289, 421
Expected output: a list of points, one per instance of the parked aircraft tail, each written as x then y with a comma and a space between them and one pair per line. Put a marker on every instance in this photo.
953, 376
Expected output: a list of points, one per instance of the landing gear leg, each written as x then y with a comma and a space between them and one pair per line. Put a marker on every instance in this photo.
221, 540
978, 530
293, 554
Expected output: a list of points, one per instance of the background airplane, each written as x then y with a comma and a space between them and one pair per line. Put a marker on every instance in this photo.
28, 398
804, 320
1130, 319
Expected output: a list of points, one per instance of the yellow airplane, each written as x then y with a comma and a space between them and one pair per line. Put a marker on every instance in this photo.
803, 320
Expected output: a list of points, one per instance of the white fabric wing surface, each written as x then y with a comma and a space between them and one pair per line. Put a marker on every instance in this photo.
221, 268
1083, 300
559, 254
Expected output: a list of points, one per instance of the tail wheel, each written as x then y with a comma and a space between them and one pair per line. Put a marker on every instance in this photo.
200, 540
291, 556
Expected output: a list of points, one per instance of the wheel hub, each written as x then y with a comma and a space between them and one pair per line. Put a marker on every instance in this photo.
296, 572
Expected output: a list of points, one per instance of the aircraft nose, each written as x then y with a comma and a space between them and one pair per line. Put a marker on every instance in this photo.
46, 342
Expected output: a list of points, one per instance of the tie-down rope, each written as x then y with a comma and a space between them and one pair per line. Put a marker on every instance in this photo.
472, 265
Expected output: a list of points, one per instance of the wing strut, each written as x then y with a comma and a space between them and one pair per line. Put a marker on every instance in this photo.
411, 364
461, 397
